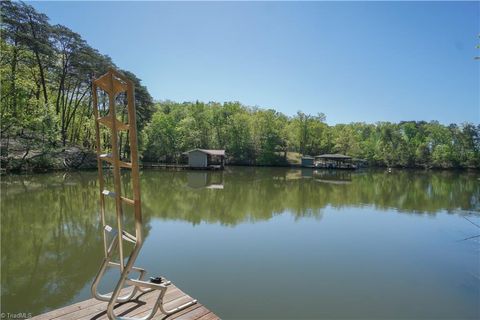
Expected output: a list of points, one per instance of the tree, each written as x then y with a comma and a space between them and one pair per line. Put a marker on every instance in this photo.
46, 74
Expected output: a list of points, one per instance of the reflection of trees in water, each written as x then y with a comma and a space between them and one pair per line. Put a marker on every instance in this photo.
252, 194
248, 195
202, 179
51, 239
417, 191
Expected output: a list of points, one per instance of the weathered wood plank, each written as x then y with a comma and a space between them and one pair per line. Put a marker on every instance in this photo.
194, 314
93, 309
209, 316
71, 308
99, 310
143, 306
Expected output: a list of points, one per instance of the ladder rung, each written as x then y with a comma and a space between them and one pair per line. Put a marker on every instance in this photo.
112, 194
105, 82
107, 121
126, 164
108, 157
128, 201
127, 236
116, 264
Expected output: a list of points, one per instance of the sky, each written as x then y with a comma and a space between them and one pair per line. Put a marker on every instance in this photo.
352, 61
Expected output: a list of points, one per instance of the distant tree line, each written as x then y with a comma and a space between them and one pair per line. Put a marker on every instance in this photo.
264, 137
46, 75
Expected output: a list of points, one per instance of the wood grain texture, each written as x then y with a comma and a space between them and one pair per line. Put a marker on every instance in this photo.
93, 309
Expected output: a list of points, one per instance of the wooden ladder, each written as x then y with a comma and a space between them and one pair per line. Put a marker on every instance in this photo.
114, 83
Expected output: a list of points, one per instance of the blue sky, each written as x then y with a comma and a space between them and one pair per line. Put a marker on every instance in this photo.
353, 61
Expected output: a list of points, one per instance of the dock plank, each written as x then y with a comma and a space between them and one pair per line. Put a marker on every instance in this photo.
140, 306
208, 316
142, 302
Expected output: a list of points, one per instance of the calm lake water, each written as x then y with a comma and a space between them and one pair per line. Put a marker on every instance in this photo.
259, 243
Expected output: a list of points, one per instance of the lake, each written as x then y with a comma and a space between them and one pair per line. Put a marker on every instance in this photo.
259, 243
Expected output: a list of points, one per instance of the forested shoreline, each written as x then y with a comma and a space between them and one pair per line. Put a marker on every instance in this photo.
257, 136
46, 102
46, 115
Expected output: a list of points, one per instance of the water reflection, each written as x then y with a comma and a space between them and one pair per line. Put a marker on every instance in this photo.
51, 241
252, 194
202, 179
333, 176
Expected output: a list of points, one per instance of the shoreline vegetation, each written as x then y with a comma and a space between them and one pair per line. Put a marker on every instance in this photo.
47, 121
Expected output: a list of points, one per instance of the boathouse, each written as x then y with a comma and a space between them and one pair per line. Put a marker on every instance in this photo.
334, 161
206, 158
308, 161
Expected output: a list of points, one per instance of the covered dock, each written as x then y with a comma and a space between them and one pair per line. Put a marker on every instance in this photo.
334, 161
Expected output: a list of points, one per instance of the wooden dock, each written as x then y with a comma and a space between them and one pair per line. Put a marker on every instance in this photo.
93, 309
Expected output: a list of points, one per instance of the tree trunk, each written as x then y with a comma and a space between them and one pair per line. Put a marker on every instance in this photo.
14, 71
37, 57
42, 78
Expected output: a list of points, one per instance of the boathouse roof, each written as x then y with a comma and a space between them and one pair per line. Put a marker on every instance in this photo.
334, 156
211, 152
